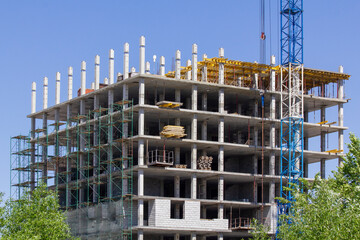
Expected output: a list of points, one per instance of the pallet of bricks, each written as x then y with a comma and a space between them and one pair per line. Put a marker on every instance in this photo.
204, 163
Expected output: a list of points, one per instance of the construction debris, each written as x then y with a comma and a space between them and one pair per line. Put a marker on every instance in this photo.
204, 163
171, 131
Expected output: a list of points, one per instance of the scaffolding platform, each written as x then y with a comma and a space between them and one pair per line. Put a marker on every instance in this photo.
241, 224
160, 158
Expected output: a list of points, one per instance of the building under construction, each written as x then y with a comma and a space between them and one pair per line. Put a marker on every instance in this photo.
192, 153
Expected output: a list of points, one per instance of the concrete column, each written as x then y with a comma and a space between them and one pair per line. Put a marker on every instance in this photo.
162, 66
221, 159
306, 140
193, 236
57, 89
194, 127
194, 122
177, 95
140, 194
194, 63
221, 197
97, 72
83, 78
142, 55
322, 143
141, 152
111, 66
221, 67
177, 155
255, 164
33, 97
204, 101
188, 73
126, 61
193, 186
194, 98
140, 234
341, 113
177, 186
193, 156
239, 109
204, 130
306, 168
147, 67
141, 122
141, 92
203, 188
70, 83
177, 195
178, 65
256, 81
45, 94
204, 70
221, 130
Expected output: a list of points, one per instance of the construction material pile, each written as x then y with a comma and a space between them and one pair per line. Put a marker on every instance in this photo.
171, 131
204, 163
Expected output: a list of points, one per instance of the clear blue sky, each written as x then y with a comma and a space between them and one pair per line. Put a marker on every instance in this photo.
39, 38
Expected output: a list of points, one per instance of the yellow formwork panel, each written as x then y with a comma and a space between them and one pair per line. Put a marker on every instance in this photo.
234, 69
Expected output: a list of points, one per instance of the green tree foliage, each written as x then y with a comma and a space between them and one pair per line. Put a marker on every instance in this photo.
327, 209
260, 231
34, 216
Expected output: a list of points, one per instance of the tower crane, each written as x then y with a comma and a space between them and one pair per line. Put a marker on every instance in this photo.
292, 104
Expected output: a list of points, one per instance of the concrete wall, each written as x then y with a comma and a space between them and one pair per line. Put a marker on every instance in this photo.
159, 216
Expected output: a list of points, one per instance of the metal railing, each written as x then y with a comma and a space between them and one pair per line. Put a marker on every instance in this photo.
160, 157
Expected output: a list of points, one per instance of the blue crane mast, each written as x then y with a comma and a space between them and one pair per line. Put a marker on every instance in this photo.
291, 42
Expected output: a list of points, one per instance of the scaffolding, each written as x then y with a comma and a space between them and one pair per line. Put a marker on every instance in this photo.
88, 160
19, 166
